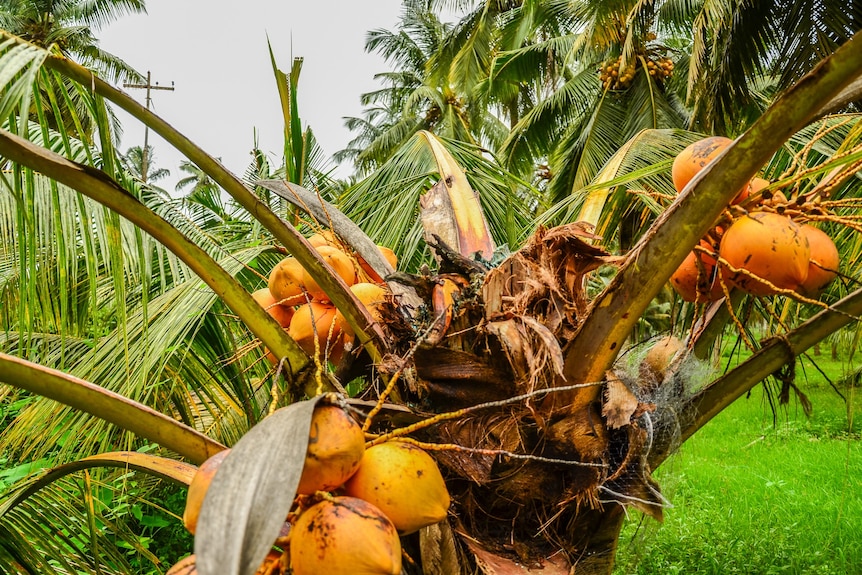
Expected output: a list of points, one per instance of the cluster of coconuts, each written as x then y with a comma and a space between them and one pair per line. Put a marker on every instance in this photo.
353, 503
302, 308
613, 78
762, 251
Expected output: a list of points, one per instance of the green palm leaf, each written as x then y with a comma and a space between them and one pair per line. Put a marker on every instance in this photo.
72, 526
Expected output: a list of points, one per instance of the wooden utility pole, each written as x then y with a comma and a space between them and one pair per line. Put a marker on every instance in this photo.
144, 152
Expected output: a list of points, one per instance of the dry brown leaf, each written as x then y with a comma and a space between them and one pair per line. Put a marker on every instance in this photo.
438, 550
492, 564
620, 403
550, 344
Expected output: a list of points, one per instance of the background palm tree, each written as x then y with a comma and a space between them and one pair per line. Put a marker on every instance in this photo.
133, 162
539, 61
198, 187
419, 94
71, 26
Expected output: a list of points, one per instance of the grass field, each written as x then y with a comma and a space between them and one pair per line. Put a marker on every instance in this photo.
752, 493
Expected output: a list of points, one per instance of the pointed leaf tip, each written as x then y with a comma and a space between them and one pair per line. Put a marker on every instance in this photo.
466, 211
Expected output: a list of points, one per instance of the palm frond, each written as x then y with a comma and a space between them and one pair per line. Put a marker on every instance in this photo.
76, 525
539, 131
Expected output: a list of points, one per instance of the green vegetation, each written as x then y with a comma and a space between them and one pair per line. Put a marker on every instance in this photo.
754, 492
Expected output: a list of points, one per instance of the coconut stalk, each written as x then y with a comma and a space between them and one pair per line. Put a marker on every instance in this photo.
112, 407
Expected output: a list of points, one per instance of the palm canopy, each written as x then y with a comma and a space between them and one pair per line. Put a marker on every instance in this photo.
545, 63
70, 25
386, 203
419, 94
134, 161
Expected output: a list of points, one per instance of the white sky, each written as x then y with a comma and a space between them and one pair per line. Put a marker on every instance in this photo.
215, 53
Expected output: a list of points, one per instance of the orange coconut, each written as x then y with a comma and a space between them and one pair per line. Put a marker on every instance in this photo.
697, 283
281, 313
769, 247
372, 297
344, 535
756, 185
198, 489
694, 157
271, 357
753, 187
340, 262
823, 265
188, 565
185, 566
387, 254
285, 282
336, 444
316, 321
404, 482
324, 238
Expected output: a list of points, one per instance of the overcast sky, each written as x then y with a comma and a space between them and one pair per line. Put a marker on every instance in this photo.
215, 53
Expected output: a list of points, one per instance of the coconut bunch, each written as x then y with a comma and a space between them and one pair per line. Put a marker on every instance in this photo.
759, 247
614, 76
303, 309
352, 505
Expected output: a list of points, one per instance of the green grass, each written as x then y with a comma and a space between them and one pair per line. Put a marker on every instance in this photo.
752, 493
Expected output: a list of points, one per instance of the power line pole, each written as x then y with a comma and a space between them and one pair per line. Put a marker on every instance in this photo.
148, 87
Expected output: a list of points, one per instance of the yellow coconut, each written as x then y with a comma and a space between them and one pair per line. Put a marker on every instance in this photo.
317, 322
387, 254
404, 482
281, 313
336, 444
340, 262
198, 489
344, 536
372, 297
285, 282
324, 238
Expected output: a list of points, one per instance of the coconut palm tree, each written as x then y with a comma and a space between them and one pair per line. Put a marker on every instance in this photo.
70, 26
496, 358
133, 161
419, 94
